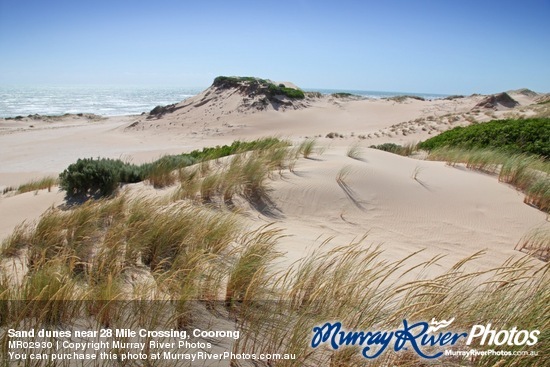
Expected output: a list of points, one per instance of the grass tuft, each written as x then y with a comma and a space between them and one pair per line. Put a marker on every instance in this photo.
537, 243
355, 152
307, 147
44, 183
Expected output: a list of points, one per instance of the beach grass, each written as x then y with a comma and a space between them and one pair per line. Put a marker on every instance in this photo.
187, 249
35, 185
404, 150
537, 243
102, 177
307, 147
196, 253
355, 152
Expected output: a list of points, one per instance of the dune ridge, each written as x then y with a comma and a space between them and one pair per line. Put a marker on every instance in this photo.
461, 210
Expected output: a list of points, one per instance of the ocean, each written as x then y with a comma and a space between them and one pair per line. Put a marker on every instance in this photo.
114, 101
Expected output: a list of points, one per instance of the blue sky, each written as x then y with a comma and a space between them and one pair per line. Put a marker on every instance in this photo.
417, 46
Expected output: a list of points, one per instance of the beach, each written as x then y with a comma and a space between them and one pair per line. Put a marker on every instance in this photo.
338, 192
445, 210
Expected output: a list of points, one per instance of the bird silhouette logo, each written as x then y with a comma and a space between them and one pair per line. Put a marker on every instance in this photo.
436, 325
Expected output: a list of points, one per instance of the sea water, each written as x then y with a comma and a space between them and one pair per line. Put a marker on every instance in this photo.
116, 100
105, 101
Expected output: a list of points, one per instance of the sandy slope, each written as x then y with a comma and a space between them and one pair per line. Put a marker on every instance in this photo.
446, 210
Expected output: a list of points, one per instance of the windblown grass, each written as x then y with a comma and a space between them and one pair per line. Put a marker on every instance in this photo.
102, 177
18, 240
250, 273
353, 285
528, 173
44, 183
343, 174
307, 147
416, 172
355, 152
161, 173
245, 174
537, 243
182, 254
34, 185
192, 252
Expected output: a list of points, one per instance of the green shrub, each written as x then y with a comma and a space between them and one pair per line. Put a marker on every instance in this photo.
101, 177
260, 85
515, 136
97, 177
406, 150
292, 93
237, 80
342, 95
236, 147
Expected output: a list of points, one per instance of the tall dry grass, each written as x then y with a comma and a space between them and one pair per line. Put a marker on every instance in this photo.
536, 242
353, 285
195, 253
244, 174
35, 185
161, 264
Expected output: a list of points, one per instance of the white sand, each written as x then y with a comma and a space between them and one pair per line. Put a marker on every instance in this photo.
448, 211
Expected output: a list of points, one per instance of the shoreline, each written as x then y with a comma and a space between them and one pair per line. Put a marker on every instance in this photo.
218, 116
61, 99
323, 220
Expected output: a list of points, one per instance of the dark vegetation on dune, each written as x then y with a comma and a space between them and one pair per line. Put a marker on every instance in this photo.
258, 86
102, 176
530, 136
344, 95
496, 100
395, 148
404, 98
248, 86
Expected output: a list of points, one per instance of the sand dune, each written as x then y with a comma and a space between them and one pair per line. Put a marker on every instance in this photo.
443, 210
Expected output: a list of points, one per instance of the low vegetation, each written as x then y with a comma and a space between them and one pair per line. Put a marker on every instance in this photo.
405, 150
102, 176
195, 262
333, 135
34, 185
530, 136
403, 98
41, 184
343, 95
355, 151
260, 85
307, 147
